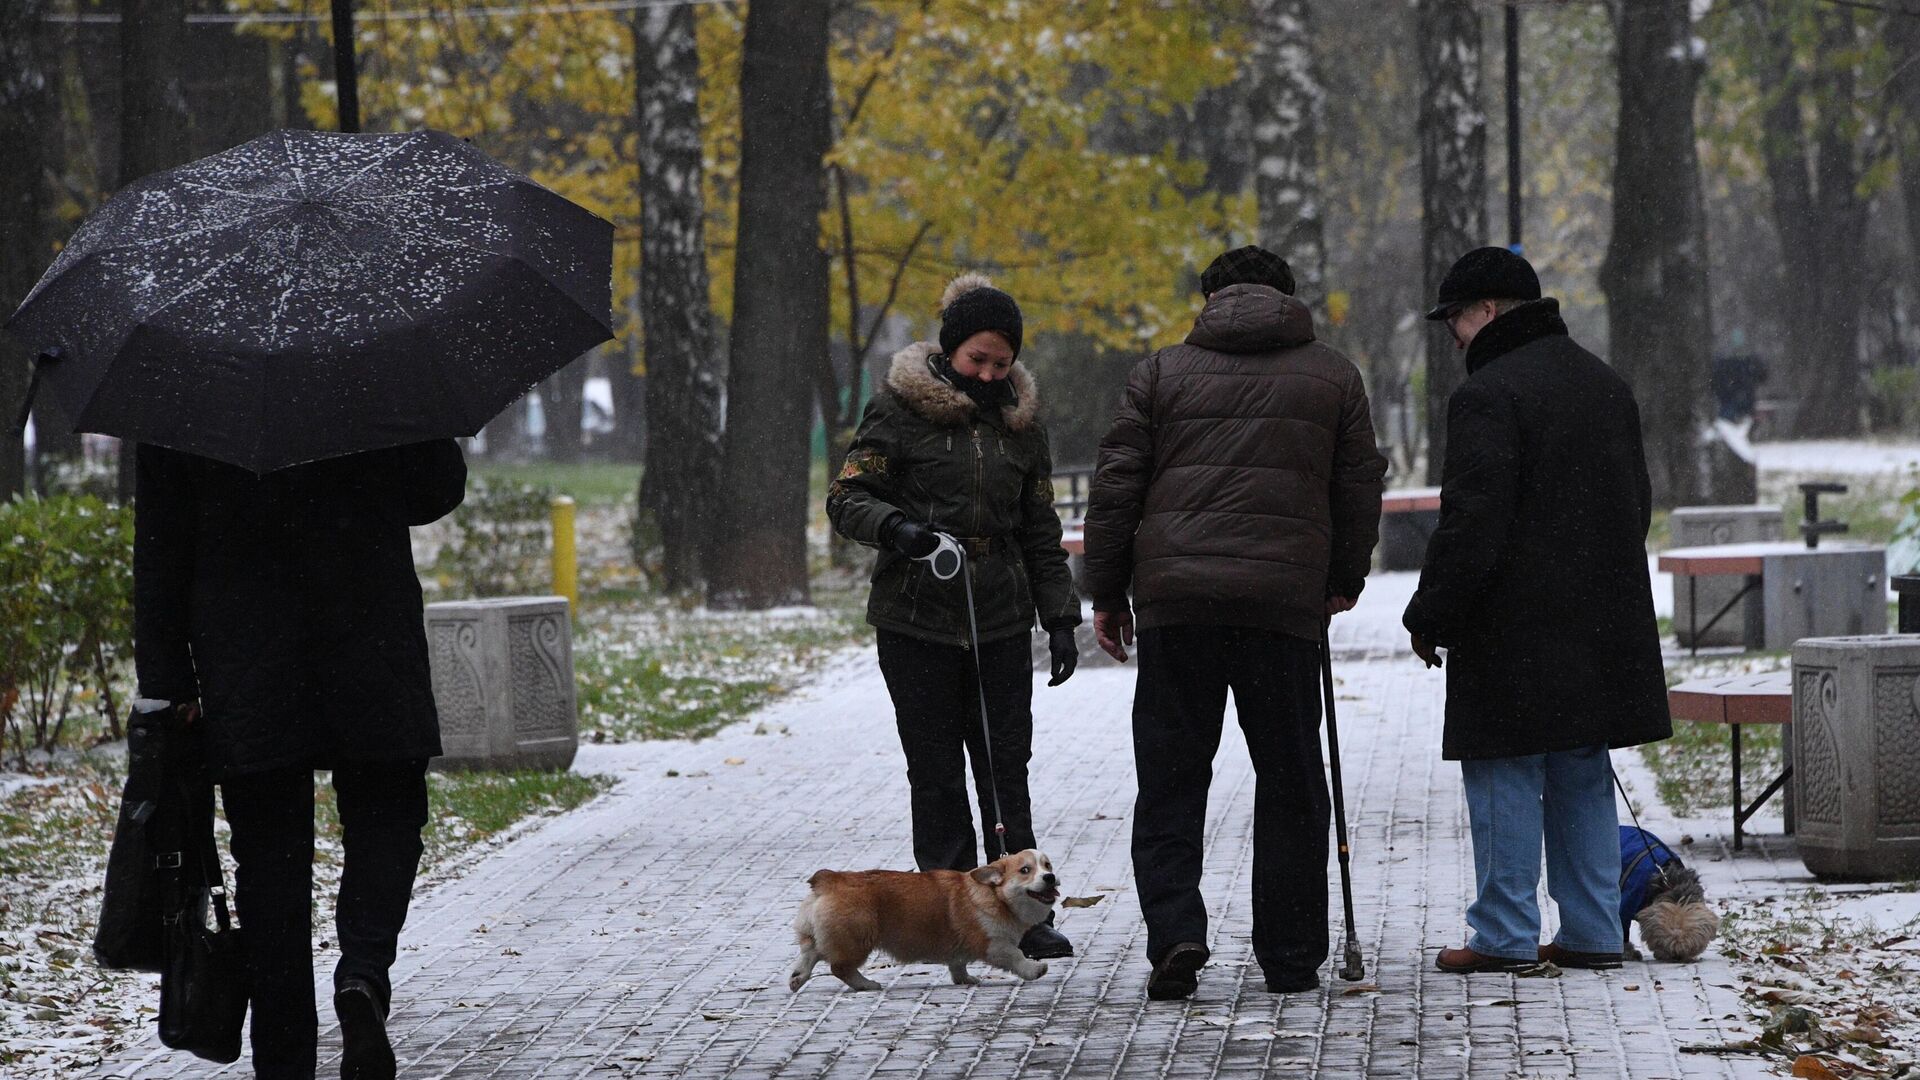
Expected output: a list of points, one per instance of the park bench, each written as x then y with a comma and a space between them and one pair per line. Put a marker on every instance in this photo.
1408, 517
1736, 701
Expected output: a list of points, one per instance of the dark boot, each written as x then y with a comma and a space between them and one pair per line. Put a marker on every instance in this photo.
367, 1055
1043, 942
1177, 974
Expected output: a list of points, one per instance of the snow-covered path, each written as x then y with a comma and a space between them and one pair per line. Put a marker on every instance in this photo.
648, 934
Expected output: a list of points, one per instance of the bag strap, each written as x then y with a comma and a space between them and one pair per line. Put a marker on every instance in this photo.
214, 876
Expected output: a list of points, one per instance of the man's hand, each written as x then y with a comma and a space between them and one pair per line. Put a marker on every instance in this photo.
1065, 654
1426, 651
1338, 604
1114, 631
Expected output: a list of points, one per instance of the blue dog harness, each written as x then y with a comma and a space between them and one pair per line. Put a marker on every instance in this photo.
1642, 857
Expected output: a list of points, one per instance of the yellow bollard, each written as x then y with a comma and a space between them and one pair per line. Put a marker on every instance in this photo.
566, 564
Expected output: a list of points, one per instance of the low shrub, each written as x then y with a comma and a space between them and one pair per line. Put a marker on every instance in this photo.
66, 615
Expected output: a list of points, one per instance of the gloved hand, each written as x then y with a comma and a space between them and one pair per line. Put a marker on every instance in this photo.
1066, 655
912, 539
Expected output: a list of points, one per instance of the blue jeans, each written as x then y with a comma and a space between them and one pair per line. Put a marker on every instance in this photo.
1515, 804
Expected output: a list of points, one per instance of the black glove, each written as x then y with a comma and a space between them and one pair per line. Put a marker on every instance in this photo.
912, 539
1066, 655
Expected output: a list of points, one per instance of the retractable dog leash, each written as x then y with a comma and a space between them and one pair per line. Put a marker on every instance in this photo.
1352, 968
945, 562
1647, 839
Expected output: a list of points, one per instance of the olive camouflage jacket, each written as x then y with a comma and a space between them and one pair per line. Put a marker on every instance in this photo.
926, 451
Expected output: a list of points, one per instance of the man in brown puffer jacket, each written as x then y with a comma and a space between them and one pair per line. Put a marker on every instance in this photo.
1238, 493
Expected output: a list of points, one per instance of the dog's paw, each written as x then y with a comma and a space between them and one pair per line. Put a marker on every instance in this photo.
961, 978
1031, 970
797, 980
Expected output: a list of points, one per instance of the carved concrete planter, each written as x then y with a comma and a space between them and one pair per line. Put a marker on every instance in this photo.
1705, 526
1856, 755
503, 682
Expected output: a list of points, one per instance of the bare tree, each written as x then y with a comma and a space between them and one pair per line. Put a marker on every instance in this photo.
1286, 99
1903, 36
683, 391
1453, 182
27, 102
780, 309
1814, 173
1659, 314
156, 126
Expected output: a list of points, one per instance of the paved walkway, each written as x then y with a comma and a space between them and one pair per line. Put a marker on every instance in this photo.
649, 933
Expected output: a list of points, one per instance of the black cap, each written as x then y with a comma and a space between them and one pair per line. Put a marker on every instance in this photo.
971, 304
1248, 265
1488, 273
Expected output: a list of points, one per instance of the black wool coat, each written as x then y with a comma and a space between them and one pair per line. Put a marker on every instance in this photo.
1536, 580
288, 603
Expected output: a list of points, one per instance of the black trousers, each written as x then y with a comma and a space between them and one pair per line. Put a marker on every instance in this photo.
383, 807
937, 708
1179, 705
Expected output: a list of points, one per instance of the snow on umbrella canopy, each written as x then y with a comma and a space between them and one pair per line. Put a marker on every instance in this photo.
310, 294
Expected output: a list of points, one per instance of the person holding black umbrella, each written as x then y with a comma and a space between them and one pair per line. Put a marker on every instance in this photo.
283, 611
294, 331
1238, 495
1536, 585
952, 444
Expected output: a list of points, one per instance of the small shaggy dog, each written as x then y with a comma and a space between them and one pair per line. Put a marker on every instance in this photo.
936, 917
1665, 897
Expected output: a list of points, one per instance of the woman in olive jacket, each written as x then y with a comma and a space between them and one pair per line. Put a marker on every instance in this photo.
951, 443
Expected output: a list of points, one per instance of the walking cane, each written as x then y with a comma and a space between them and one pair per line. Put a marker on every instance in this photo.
1351, 968
946, 560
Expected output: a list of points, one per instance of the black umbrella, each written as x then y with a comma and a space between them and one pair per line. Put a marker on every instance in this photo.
309, 294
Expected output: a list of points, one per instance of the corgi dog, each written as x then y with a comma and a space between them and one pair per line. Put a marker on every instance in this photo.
950, 917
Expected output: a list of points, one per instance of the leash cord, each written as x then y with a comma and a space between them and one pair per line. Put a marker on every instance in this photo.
1647, 839
980, 684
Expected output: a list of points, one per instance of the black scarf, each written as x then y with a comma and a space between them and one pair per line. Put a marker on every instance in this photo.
1523, 325
997, 394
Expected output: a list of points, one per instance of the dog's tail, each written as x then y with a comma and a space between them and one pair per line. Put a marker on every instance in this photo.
1677, 933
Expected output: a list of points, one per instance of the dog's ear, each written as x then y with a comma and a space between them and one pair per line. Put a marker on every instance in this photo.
989, 874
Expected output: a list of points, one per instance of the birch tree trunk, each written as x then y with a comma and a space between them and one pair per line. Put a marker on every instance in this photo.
780, 313
156, 127
1286, 100
1453, 183
27, 106
1659, 316
682, 472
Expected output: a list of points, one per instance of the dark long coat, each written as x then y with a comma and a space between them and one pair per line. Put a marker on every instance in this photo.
288, 603
926, 451
1536, 580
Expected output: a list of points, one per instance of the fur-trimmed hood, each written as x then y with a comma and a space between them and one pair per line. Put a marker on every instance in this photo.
912, 380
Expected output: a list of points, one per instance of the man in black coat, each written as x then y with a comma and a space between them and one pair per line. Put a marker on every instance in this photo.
282, 613
1536, 584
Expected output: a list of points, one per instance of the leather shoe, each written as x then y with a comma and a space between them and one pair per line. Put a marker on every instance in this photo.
366, 1053
1043, 942
1177, 974
1464, 961
1568, 958
1292, 982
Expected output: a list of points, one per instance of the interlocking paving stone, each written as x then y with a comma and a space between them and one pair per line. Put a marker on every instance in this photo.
649, 934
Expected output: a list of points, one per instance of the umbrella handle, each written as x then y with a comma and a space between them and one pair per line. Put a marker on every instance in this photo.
33, 387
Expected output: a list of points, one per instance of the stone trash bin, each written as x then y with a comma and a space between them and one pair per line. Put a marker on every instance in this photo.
1704, 526
1856, 755
503, 682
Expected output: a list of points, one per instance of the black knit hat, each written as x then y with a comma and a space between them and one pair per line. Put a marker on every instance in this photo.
1247, 266
1488, 273
971, 304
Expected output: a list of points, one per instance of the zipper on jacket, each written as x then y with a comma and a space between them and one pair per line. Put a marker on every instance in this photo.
979, 459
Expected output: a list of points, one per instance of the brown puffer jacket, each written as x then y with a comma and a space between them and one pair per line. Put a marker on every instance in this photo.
1240, 484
